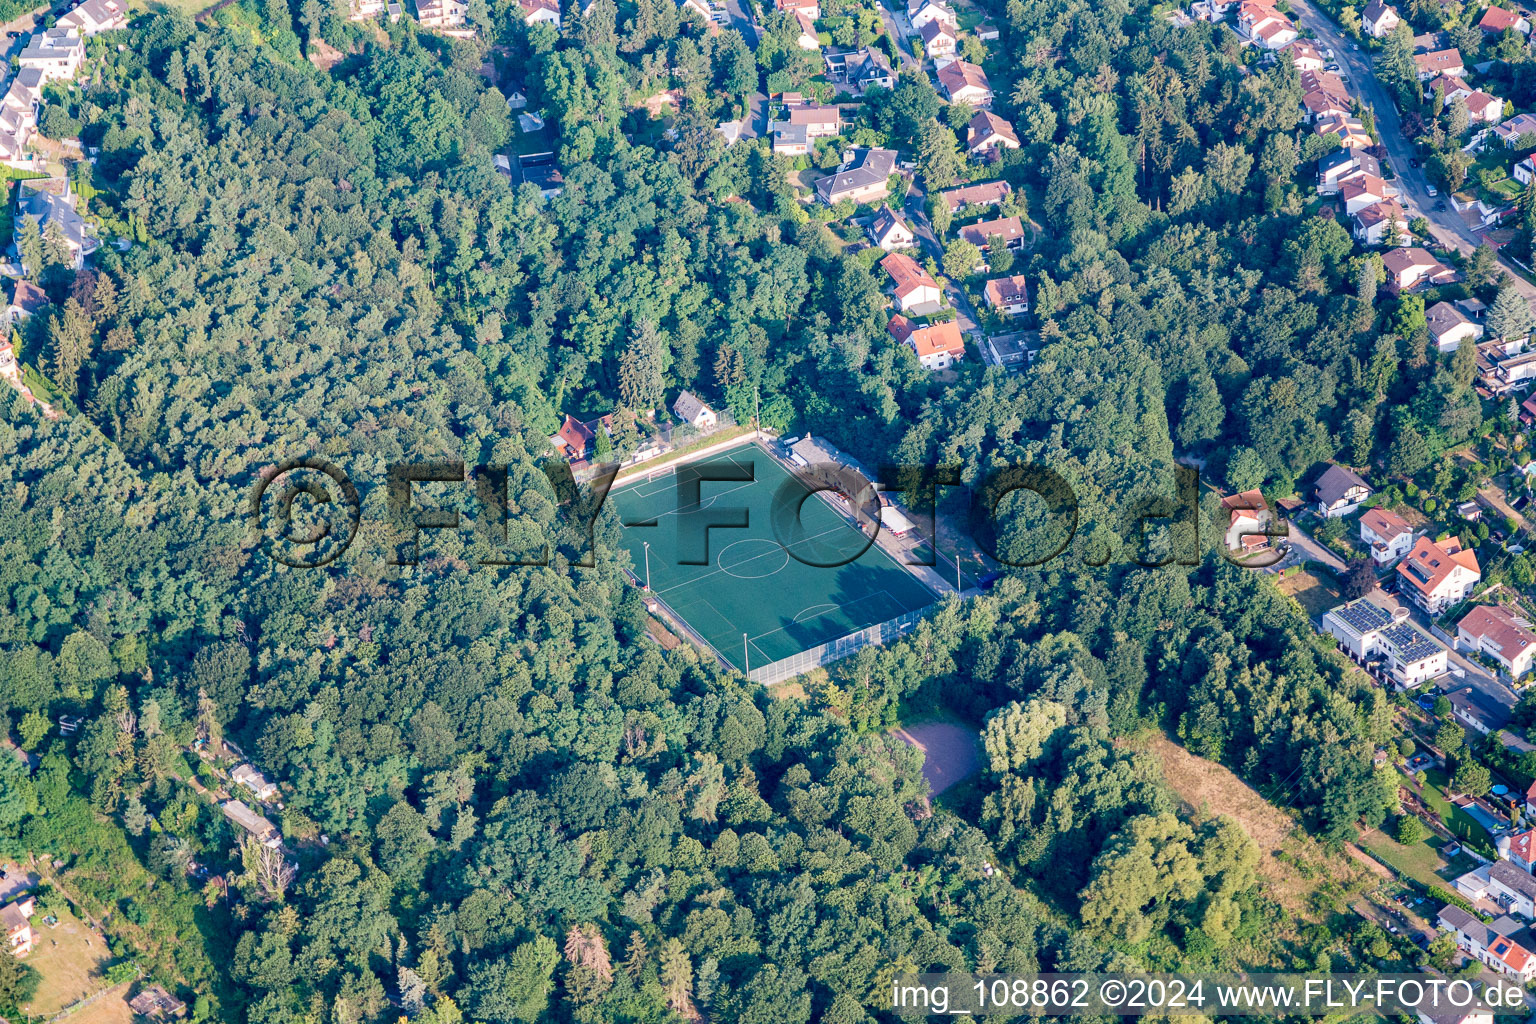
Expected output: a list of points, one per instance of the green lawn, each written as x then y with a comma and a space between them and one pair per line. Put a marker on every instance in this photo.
1458, 821
541, 141
1421, 861
750, 587
970, 19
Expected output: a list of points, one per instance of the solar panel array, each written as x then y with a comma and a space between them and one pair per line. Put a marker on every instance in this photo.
1362, 616
1410, 643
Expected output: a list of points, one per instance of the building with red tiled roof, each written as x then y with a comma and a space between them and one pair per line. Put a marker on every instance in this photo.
1008, 295
1388, 534
1247, 520
1497, 19
911, 284
1502, 635
1436, 576
937, 345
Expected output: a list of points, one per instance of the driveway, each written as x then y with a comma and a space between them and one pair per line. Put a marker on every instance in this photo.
1446, 225
741, 21
900, 30
922, 230
1302, 541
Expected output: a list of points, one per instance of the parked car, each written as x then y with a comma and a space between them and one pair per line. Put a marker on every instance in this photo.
1440, 206
1331, 67
1431, 190
1413, 161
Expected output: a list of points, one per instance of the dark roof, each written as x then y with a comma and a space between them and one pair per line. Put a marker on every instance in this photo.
1511, 877
1335, 483
1476, 705
1362, 616
868, 167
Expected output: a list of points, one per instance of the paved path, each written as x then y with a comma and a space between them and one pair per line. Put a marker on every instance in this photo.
900, 31
922, 230
1302, 541
1447, 226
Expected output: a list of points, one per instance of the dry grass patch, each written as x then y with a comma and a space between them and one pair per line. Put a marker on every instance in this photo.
1315, 594
1292, 864
71, 959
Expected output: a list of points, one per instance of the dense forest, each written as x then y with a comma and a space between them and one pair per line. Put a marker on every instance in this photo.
504, 802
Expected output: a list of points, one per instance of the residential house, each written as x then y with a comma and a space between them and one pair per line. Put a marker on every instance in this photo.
1009, 229
1516, 128
1382, 224
265, 832
807, 39
1449, 326
246, 775
1211, 10
964, 82
1436, 575
790, 139
1248, 517
889, 232
1367, 631
914, 289
362, 10
1483, 108
987, 133
690, 408
1493, 944
1363, 191
543, 175
986, 193
1409, 267
16, 129
1528, 411
1304, 56
862, 69
820, 122
396, 11
1501, 634
1339, 491
1342, 165
54, 213
1512, 888
534, 12
450, 14
1388, 534
57, 53
937, 346
1326, 104
1264, 26
939, 40
810, 8
712, 12
1439, 62
95, 16
25, 94
16, 920
1350, 131
1498, 20
156, 1004
26, 299
575, 440
1008, 295
921, 13
861, 178
1519, 849
1503, 365
1524, 170
1450, 89
1378, 20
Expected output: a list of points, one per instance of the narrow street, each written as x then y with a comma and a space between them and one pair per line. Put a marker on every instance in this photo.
900, 29
922, 229
1446, 225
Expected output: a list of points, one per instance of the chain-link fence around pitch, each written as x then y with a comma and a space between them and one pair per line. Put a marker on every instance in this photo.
835, 650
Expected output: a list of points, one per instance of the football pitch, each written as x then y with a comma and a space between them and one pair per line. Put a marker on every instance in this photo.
751, 583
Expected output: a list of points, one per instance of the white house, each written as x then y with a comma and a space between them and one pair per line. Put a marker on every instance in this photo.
1449, 326
926, 11
1378, 20
1248, 518
939, 40
937, 345
95, 16
914, 289
1388, 534
1367, 631
1339, 491
691, 410
57, 53
1436, 576
1502, 635
889, 232
1492, 944
246, 775
1008, 295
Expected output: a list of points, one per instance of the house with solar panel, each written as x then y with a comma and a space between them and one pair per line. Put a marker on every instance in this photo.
1370, 633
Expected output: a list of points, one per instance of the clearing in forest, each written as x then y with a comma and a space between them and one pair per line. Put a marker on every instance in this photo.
1291, 863
753, 599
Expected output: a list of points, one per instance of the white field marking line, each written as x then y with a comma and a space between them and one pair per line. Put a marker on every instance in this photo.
837, 607
720, 569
